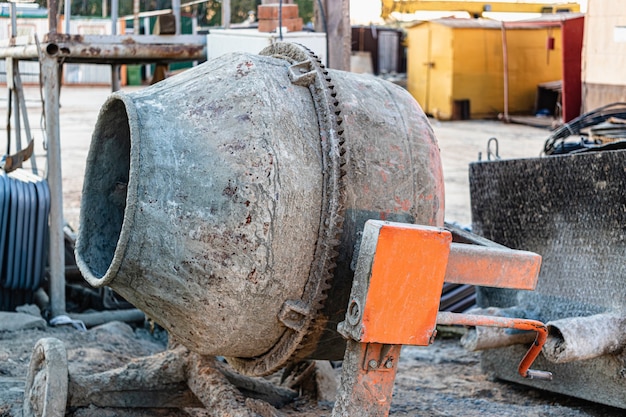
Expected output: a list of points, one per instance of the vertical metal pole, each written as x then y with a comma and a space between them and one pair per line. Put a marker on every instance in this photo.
115, 69
505, 70
52, 16
225, 14
176, 11
50, 79
16, 110
19, 89
67, 14
115, 78
114, 16
13, 10
194, 21
146, 30
136, 24
14, 69
194, 26
105, 12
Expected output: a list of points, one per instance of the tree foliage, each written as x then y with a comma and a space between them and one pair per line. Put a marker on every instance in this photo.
209, 13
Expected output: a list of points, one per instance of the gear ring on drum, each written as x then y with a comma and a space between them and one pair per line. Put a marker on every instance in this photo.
298, 316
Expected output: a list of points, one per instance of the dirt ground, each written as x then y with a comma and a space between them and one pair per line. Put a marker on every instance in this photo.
439, 380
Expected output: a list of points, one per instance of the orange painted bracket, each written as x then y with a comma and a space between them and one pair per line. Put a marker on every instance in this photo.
397, 284
492, 267
400, 273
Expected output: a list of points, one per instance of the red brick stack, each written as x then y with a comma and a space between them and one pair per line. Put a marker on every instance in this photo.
267, 14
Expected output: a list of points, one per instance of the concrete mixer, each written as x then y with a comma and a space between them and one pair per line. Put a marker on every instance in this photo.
253, 203
246, 182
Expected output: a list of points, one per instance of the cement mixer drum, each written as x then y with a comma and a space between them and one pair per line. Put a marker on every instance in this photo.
226, 202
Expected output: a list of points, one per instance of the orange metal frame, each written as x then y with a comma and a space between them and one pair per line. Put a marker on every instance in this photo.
407, 271
395, 297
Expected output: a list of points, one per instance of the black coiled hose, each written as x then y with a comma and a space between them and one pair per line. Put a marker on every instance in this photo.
555, 143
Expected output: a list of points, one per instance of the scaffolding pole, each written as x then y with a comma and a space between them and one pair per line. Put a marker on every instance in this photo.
50, 79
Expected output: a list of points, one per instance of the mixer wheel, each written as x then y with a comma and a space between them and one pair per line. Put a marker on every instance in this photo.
47, 381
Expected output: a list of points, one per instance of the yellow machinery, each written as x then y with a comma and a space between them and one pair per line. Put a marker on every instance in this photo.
474, 8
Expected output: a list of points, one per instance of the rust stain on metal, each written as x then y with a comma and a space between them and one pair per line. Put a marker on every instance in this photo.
74, 48
367, 384
63, 38
91, 51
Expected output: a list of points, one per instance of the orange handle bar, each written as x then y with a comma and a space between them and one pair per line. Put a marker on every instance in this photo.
447, 318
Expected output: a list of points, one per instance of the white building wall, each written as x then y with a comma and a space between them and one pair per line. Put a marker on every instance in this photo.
604, 54
29, 70
72, 73
604, 50
88, 73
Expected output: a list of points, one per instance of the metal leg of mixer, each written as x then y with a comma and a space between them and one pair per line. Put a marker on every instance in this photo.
369, 371
394, 300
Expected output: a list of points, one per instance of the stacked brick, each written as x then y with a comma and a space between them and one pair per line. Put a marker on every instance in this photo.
267, 15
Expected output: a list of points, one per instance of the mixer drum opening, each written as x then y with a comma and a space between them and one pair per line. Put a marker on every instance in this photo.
103, 206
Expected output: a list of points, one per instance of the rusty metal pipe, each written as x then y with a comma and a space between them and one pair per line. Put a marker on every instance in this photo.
481, 338
23, 52
97, 48
579, 338
447, 318
110, 49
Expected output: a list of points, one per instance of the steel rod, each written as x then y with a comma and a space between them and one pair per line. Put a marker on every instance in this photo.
176, 12
52, 16
115, 69
16, 107
67, 15
447, 318
50, 81
112, 48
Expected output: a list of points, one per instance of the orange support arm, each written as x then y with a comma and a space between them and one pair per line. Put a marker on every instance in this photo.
492, 267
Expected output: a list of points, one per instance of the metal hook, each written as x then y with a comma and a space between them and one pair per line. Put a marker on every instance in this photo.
491, 155
448, 318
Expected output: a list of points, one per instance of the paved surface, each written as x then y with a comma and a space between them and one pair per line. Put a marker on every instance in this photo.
462, 142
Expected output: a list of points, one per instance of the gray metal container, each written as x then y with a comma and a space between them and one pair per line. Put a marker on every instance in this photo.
226, 202
571, 210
